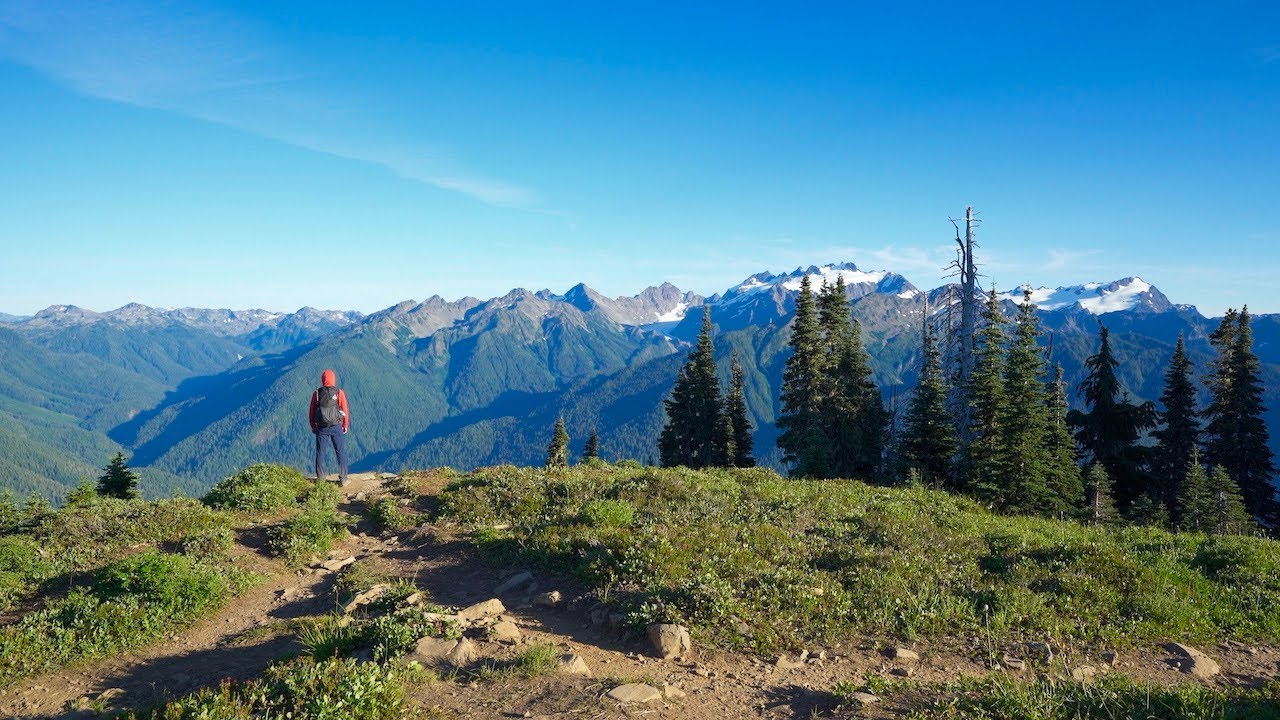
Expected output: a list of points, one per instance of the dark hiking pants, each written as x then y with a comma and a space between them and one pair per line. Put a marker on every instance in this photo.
336, 436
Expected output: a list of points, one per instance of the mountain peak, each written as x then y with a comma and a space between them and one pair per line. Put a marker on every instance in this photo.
1097, 298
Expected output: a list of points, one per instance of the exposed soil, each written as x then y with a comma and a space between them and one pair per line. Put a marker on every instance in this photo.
242, 640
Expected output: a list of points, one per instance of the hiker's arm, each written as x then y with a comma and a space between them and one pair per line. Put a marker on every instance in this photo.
311, 413
346, 412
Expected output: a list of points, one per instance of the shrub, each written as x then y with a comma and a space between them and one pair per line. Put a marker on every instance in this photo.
311, 532
258, 488
209, 543
385, 513
608, 513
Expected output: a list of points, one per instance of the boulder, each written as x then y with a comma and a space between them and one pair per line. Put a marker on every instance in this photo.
432, 649
480, 610
504, 631
573, 664
635, 693
513, 582
1194, 662
670, 641
464, 652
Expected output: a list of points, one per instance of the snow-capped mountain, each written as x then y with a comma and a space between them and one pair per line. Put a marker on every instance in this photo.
1128, 294
217, 321
656, 305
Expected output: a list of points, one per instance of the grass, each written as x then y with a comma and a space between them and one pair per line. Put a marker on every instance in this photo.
1111, 697
324, 690
802, 562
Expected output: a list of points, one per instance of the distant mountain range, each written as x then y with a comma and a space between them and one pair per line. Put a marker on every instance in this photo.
195, 394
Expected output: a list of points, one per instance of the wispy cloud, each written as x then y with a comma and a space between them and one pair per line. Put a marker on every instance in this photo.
221, 69
1268, 54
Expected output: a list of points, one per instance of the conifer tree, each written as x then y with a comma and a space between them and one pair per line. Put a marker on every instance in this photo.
871, 420
984, 474
1062, 474
591, 448
1025, 421
801, 438
558, 449
692, 435
1195, 503
1099, 508
1147, 510
117, 480
735, 408
1109, 431
928, 443
1236, 433
1228, 513
1179, 432
853, 415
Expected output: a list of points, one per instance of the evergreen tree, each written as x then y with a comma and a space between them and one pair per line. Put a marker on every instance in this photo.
853, 415
1025, 421
735, 408
1195, 502
1110, 430
591, 448
726, 443
801, 437
1228, 514
1147, 510
1179, 432
692, 435
558, 449
118, 481
1062, 474
928, 443
983, 472
1099, 509
1236, 434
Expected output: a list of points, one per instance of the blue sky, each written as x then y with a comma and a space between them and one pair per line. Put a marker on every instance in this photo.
286, 154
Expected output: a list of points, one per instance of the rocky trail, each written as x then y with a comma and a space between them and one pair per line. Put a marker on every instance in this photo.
598, 654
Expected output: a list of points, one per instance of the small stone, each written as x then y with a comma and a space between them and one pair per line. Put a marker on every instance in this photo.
1084, 673
671, 692
1110, 657
1193, 661
635, 693
785, 663
464, 652
504, 631
864, 698
547, 599
335, 564
415, 599
1013, 663
109, 694
573, 664
481, 610
902, 671
365, 597
433, 649
1042, 650
670, 641
902, 654
513, 582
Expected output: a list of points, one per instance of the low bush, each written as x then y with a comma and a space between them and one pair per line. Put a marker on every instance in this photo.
387, 515
258, 488
332, 689
311, 532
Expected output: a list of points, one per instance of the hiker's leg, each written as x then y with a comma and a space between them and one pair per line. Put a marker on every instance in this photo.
340, 449
319, 456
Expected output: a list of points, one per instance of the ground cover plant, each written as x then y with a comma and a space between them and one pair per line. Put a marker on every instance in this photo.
311, 532
750, 559
259, 488
1111, 697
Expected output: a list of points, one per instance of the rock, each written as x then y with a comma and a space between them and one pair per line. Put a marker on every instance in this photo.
1084, 673
484, 609
415, 599
902, 671
1110, 657
464, 652
572, 664
433, 649
864, 698
335, 564
671, 692
1194, 662
635, 693
365, 597
504, 631
599, 615
785, 663
670, 641
513, 582
1042, 650
387, 476
547, 599
1012, 662
902, 654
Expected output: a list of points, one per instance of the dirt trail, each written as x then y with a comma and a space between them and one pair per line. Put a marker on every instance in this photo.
238, 643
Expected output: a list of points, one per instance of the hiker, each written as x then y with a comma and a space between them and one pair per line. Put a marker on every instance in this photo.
330, 419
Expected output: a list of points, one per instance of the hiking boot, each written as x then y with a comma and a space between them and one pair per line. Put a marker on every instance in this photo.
344, 481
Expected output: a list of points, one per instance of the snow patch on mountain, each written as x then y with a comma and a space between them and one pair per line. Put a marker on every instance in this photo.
1131, 293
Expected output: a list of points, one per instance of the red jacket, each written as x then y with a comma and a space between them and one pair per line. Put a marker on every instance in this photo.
329, 379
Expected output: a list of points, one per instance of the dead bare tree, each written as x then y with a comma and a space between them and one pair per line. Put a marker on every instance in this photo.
966, 268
